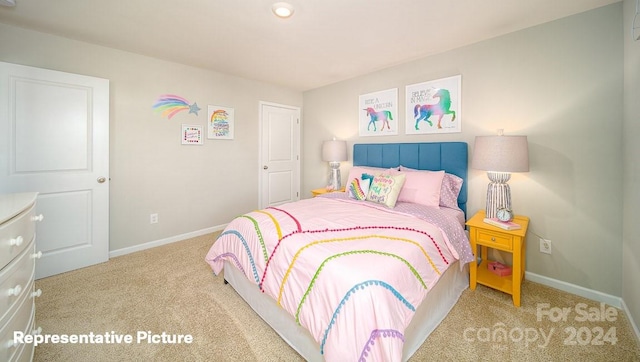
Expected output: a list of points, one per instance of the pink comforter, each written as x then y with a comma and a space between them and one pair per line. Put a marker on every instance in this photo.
350, 272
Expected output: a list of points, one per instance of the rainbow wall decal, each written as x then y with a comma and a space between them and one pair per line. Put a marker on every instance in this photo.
170, 105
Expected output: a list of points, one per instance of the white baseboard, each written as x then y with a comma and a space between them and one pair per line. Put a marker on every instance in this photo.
173, 239
634, 326
609, 299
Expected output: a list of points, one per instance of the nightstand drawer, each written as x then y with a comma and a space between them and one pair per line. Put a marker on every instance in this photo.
495, 239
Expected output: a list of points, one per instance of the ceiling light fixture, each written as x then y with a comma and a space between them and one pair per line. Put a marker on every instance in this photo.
282, 9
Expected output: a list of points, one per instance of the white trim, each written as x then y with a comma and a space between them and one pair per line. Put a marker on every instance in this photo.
173, 239
595, 295
634, 326
611, 300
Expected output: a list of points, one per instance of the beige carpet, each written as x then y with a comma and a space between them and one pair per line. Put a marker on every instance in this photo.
171, 289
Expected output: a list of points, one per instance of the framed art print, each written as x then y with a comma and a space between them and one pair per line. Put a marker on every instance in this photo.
378, 113
221, 122
434, 107
191, 135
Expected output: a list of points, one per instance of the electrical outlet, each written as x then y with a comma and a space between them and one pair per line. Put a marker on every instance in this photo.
153, 218
545, 246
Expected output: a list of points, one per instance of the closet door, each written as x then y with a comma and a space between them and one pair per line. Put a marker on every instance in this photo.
54, 140
279, 154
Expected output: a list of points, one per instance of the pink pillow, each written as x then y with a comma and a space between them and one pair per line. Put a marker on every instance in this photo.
422, 188
451, 186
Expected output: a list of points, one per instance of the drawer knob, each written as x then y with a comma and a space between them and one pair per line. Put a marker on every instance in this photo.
37, 218
15, 290
493, 238
37, 255
37, 293
16, 241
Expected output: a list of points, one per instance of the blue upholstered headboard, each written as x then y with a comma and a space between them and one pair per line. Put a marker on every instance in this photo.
452, 157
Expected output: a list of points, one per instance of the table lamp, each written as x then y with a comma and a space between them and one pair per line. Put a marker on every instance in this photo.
334, 152
500, 156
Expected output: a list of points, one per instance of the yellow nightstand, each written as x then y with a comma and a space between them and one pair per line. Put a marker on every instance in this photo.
323, 190
511, 241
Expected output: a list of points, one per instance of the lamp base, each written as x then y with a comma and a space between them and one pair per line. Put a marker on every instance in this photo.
335, 180
498, 193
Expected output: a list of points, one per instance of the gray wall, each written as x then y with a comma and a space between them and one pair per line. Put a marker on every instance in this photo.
631, 135
190, 187
561, 84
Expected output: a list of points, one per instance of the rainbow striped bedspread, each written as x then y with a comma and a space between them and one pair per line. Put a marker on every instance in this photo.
350, 272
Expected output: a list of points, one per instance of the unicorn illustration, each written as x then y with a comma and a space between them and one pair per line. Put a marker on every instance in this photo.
383, 116
423, 112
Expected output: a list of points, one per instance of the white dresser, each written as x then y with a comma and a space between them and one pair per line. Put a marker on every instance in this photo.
17, 271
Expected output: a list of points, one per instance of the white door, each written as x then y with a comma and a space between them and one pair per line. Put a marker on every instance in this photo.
54, 139
279, 154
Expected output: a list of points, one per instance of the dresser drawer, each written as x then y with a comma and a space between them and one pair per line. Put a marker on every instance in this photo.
20, 321
16, 278
15, 235
22, 353
495, 239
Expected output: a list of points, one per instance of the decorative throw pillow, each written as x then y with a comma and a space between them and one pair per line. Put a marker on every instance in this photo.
359, 187
385, 189
357, 171
422, 188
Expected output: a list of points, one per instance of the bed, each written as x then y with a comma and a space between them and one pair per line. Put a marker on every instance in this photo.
340, 278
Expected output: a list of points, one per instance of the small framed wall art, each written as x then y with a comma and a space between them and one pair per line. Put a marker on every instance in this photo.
191, 135
221, 123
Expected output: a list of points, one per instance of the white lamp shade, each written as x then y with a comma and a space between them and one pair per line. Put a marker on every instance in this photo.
334, 151
501, 154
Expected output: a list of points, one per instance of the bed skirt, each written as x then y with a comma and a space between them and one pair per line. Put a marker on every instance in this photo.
439, 301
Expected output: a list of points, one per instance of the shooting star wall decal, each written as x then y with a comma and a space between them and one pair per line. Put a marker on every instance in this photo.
170, 105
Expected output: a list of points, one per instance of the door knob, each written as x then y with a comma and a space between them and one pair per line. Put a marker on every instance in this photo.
101, 180
265, 167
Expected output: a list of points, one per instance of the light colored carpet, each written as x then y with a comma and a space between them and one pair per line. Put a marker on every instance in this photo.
171, 289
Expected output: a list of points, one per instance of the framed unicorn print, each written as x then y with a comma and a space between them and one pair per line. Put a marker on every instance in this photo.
434, 107
377, 113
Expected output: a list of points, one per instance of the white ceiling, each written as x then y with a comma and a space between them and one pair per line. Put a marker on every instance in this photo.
325, 41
